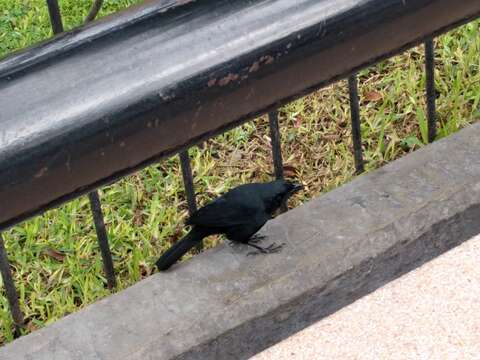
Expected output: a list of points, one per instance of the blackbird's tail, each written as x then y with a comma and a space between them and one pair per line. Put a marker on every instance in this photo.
180, 248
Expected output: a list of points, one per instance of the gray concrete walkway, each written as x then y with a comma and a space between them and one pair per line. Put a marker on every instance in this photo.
432, 312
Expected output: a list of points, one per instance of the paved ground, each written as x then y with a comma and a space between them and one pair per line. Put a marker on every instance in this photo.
432, 312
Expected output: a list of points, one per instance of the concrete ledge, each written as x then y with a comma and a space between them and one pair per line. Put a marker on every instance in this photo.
340, 246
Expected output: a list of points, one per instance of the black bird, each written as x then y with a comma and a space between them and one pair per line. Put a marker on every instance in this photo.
238, 214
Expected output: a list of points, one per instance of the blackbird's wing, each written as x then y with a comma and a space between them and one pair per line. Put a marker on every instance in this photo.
224, 212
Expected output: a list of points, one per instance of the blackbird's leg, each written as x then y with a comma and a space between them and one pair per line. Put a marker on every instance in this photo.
243, 234
256, 238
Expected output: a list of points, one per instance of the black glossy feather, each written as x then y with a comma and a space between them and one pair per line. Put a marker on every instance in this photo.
236, 207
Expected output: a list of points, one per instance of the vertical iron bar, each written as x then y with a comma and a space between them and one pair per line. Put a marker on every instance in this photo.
95, 203
92, 14
189, 189
10, 290
102, 238
430, 89
188, 181
55, 17
355, 115
276, 148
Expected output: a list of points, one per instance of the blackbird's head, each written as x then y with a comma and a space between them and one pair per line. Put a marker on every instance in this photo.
277, 193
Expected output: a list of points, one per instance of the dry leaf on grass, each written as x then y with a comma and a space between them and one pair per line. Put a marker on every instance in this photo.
373, 96
145, 271
55, 254
297, 122
177, 235
138, 218
289, 171
31, 326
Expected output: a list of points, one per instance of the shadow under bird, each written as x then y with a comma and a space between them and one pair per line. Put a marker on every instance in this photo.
238, 214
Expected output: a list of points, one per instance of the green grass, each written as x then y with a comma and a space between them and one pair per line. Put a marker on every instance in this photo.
55, 257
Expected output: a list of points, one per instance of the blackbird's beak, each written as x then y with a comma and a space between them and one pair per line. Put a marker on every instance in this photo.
296, 188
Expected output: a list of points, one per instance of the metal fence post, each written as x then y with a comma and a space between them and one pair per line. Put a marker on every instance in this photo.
189, 189
10, 290
430, 89
276, 148
102, 237
55, 16
355, 115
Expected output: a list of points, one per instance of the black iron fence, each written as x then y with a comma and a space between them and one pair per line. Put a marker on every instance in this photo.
101, 102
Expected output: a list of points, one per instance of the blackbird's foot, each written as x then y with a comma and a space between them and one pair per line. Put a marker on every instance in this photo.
271, 249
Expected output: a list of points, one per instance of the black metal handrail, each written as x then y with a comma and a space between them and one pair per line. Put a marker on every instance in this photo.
103, 101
